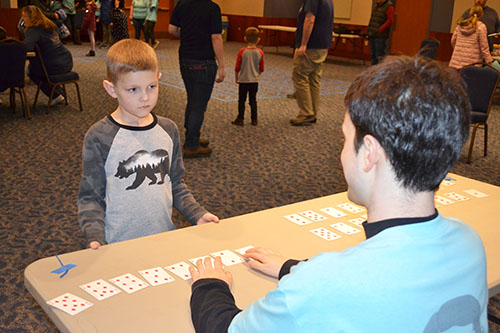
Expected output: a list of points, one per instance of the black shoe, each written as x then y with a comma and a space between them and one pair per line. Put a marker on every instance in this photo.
238, 122
198, 152
299, 121
254, 122
90, 54
77, 42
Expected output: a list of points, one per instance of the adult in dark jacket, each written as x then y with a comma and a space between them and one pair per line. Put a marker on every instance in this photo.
57, 59
379, 28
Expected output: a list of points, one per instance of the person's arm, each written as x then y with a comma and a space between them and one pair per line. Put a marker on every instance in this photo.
131, 15
219, 55
237, 66
483, 44
261, 63
306, 33
454, 38
389, 13
174, 30
31, 37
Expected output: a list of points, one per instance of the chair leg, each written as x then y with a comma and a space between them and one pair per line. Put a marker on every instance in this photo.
65, 94
472, 137
36, 96
24, 101
485, 139
12, 99
78, 94
50, 99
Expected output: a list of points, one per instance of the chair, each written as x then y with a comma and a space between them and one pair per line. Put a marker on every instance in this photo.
429, 48
56, 80
481, 86
12, 67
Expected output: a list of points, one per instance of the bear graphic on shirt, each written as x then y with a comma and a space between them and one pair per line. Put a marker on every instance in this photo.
145, 164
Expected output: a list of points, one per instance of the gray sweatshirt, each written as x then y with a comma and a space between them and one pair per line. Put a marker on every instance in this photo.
131, 179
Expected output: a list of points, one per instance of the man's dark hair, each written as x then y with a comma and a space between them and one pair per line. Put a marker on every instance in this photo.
419, 112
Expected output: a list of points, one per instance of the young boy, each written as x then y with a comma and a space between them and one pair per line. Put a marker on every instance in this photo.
249, 65
406, 122
132, 165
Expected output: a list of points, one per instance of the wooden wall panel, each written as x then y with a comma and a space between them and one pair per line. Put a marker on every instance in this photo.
445, 50
9, 17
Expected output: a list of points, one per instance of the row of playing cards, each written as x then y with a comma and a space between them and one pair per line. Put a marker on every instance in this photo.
445, 199
310, 216
101, 289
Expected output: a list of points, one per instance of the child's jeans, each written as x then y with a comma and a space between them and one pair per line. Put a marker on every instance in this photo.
251, 89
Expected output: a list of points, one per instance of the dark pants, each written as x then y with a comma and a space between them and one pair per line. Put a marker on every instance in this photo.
377, 49
138, 26
251, 90
149, 32
70, 23
199, 78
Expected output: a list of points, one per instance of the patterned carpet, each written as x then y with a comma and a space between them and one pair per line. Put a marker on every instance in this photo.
252, 167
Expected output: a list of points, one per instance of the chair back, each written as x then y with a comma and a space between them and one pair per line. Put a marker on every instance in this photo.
12, 63
481, 86
42, 64
429, 48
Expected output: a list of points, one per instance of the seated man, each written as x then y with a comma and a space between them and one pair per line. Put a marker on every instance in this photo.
406, 122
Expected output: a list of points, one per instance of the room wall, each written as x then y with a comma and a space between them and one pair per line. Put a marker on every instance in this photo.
360, 13
462, 5
242, 7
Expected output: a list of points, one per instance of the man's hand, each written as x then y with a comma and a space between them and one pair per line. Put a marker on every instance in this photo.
205, 270
265, 260
220, 74
301, 51
94, 245
207, 218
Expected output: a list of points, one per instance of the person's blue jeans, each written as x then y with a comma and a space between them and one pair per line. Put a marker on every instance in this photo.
138, 26
199, 78
377, 49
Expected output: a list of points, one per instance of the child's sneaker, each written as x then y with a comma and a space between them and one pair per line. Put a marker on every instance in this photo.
57, 100
90, 54
238, 122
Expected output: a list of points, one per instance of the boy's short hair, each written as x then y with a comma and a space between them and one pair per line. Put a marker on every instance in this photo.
130, 55
252, 35
419, 112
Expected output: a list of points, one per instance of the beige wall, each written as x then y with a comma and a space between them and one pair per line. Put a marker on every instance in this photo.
360, 13
242, 7
462, 5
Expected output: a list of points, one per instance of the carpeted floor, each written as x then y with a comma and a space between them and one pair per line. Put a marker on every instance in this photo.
252, 167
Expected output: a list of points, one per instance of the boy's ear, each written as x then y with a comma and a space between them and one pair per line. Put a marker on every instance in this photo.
109, 87
159, 75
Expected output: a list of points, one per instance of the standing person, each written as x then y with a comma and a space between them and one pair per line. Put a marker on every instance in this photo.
138, 12
469, 41
149, 25
57, 59
379, 29
132, 142
70, 10
406, 122
119, 24
199, 25
89, 24
249, 66
312, 41
105, 19
489, 18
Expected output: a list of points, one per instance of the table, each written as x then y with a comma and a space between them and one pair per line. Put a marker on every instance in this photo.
155, 308
275, 29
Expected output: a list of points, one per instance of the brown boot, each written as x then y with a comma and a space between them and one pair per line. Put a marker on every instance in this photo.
198, 152
238, 122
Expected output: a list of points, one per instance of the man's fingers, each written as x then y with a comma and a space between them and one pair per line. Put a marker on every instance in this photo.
218, 263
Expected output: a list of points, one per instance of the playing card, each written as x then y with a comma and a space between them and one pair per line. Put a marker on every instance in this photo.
244, 249
443, 200
70, 303
357, 221
333, 212
365, 216
100, 289
313, 216
346, 229
228, 258
476, 193
129, 283
456, 196
156, 276
181, 269
350, 207
447, 183
297, 219
194, 260
325, 234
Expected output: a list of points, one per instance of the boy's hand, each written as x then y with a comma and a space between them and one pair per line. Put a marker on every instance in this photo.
94, 245
265, 260
205, 270
207, 218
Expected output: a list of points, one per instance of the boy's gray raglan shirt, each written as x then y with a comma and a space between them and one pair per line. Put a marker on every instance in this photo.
131, 179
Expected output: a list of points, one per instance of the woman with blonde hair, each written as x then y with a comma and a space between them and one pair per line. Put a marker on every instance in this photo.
41, 31
470, 41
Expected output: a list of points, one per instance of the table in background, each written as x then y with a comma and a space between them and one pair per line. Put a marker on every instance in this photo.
167, 306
